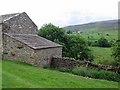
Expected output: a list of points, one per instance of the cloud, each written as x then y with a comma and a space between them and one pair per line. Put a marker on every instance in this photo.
80, 18
62, 12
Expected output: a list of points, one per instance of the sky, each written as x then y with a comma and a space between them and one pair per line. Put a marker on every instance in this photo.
62, 12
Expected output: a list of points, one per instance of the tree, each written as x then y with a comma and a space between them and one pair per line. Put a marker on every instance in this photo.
77, 48
51, 32
102, 42
116, 52
73, 45
69, 32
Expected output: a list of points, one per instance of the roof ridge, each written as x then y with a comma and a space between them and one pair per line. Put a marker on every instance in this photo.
20, 34
11, 17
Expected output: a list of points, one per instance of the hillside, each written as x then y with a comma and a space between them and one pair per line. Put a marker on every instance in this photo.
95, 30
100, 25
16, 74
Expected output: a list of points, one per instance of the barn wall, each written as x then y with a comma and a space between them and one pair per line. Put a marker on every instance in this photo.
15, 50
44, 56
7, 16
0, 52
20, 24
1, 48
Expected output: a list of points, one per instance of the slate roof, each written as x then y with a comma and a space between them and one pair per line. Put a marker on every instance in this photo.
7, 17
34, 41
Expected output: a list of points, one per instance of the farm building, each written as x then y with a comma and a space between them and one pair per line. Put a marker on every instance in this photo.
21, 42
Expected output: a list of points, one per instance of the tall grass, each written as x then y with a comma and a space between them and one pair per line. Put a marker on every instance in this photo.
96, 73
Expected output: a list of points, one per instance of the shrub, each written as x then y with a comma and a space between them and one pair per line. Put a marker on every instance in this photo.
116, 52
96, 73
80, 71
93, 73
102, 42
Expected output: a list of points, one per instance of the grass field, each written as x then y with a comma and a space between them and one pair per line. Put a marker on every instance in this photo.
96, 30
102, 55
95, 35
19, 75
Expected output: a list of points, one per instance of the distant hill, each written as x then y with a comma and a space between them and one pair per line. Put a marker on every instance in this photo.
100, 25
95, 30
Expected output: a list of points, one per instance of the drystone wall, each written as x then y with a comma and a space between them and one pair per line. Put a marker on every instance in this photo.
70, 63
65, 63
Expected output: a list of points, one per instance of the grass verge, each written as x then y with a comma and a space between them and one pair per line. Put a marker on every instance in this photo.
20, 75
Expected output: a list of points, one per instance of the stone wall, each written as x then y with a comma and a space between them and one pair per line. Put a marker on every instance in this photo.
15, 50
1, 52
70, 63
20, 24
65, 63
43, 57
1, 48
7, 16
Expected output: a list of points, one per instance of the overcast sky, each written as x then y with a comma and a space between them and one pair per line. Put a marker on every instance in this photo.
62, 12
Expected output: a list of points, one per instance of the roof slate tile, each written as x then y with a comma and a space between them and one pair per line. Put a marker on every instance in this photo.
34, 41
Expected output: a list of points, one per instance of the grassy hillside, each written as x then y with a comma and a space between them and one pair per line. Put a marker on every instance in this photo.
16, 74
95, 30
102, 55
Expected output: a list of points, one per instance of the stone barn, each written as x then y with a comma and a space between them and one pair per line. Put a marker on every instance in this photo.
21, 42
